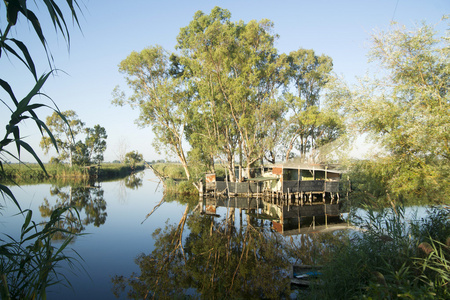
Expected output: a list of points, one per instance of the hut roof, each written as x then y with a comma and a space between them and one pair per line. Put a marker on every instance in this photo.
332, 168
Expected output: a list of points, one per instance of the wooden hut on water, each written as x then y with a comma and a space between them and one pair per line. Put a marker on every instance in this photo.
293, 183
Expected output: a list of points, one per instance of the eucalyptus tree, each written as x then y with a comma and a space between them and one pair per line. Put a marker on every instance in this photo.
234, 69
133, 158
406, 110
95, 142
64, 133
309, 126
162, 99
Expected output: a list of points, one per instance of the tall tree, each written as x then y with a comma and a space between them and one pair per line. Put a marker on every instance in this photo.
162, 99
406, 111
133, 158
64, 132
234, 68
308, 125
96, 143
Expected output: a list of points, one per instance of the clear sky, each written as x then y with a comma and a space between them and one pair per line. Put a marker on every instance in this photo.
112, 29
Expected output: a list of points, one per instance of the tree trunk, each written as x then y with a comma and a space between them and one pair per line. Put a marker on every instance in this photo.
241, 179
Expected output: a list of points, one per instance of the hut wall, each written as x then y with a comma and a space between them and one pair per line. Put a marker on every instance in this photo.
303, 186
310, 210
332, 186
239, 187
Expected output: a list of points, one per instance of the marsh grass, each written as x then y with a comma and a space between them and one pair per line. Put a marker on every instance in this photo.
33, 173
389, 258
28, 264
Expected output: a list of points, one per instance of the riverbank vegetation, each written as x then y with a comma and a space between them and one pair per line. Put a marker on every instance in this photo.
230, 95
394, 256
237, 101
25, 173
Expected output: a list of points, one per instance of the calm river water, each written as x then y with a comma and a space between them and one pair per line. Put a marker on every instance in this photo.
116, 231
112, 223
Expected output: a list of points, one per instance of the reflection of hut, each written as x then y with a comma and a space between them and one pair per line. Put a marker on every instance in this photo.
286, 219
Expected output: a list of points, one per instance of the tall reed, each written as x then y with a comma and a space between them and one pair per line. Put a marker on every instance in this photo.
391, 257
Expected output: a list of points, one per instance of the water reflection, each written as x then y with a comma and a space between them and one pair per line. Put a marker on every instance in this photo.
87, 199
234, 255
134, 181
131, 182
287, 220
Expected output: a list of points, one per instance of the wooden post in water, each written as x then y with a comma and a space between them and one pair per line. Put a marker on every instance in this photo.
257, 206
288, 199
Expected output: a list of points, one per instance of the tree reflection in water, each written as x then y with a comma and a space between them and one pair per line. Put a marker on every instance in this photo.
219, 260
134, 181
88, 201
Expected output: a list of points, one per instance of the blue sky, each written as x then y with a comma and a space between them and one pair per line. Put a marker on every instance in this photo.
111, 30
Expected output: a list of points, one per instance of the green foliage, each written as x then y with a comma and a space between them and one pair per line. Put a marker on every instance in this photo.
133, 158
171, 170
161, 98
215, 260
96, 143
28, 266
405, 110
65, 130
235, 71
388, 259
308, 127
372, 183
223, 93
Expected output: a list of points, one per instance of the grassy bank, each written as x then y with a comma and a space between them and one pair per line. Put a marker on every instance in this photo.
175, 180
33, 172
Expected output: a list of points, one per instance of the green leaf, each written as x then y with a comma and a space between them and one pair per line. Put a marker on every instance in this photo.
27, 222
12, 10
26, 63
16, 134
25, 101
31, 151
5, 190
8, 89
26, 54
